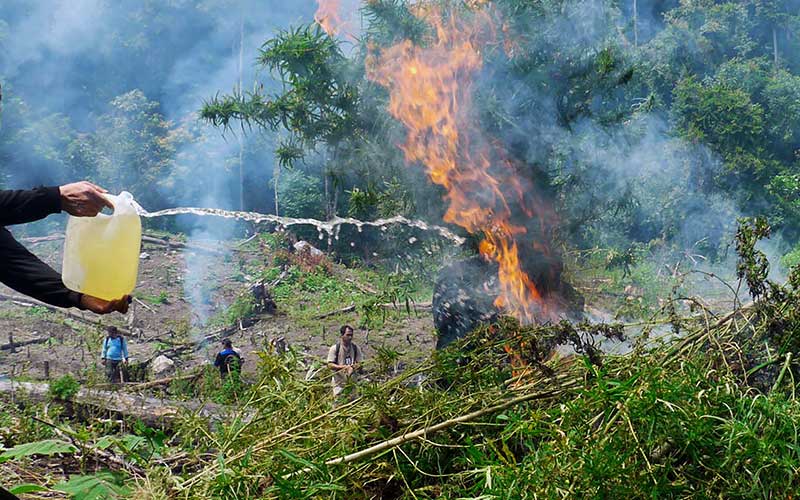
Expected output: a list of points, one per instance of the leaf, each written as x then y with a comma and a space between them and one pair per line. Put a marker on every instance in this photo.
298, 460
26, 488
100, 486
104, 442
45, 447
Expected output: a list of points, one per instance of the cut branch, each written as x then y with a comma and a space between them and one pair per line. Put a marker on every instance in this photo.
421, 433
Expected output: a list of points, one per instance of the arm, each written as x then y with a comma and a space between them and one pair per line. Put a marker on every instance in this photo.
105, 350
332, 361
124, 349
25, 273
82, 199
20, 206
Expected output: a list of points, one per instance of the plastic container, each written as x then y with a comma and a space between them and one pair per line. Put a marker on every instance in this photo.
101, 253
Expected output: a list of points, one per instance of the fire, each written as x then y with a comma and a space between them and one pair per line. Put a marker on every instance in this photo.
327, 16
338, 17
431, 91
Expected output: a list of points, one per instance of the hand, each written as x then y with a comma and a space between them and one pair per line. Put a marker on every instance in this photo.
125, 361
103, 361
349, 369
100, 306
83, 199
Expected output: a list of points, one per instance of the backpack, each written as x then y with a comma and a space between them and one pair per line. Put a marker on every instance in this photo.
231, 362
339, 345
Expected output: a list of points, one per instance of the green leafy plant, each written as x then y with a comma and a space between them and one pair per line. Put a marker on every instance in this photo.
64, 388
100, 486
43, 447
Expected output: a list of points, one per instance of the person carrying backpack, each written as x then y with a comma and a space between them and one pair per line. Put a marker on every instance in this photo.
344, 358
115, 352
228, 360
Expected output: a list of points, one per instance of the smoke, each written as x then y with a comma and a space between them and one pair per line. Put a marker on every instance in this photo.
64, 61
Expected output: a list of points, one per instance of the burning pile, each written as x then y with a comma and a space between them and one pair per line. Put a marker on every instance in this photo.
431, 93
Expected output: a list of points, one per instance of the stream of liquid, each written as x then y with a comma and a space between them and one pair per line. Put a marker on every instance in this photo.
330, 228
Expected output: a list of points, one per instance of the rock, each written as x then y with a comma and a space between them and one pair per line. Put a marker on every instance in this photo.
144, 256
162, 367
304, 246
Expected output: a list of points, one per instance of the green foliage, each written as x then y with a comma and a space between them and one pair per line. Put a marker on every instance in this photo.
64, 388
44, 447
300, 195
161, 298
242, 307
23, 489
318, 103
752, 265
99, 486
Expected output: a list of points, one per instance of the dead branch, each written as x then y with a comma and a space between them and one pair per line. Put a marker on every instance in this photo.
343, 310
164, 381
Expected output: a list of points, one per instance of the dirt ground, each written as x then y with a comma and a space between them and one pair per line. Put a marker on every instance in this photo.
177, 290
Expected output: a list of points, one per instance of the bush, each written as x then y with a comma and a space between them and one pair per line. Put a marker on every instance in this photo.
64, 388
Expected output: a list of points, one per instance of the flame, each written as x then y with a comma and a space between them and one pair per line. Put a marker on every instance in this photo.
327, 16
431, 91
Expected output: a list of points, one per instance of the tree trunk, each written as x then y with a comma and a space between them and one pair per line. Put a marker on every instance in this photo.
775, 47
241, 134
276, 178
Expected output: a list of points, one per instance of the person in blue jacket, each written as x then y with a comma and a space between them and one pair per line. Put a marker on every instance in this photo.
228, 360
115, 353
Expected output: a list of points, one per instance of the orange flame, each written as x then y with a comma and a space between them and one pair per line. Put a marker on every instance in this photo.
327, 16
431, 94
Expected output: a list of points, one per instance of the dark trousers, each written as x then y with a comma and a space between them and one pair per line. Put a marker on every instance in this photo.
113, 370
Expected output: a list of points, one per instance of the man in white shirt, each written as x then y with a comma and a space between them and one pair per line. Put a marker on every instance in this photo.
344, 358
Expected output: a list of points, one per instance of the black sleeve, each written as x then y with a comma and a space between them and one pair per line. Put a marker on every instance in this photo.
218, 360
29, 205
25, 273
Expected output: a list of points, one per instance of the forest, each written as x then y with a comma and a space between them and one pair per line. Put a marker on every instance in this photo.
565, 235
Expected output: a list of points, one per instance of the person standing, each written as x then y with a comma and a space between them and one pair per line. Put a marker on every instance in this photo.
344, 358
115, 354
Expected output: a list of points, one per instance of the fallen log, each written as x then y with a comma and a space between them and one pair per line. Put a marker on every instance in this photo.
153, 411
22, 343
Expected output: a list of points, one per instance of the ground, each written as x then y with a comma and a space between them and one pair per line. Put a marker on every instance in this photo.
168, 313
